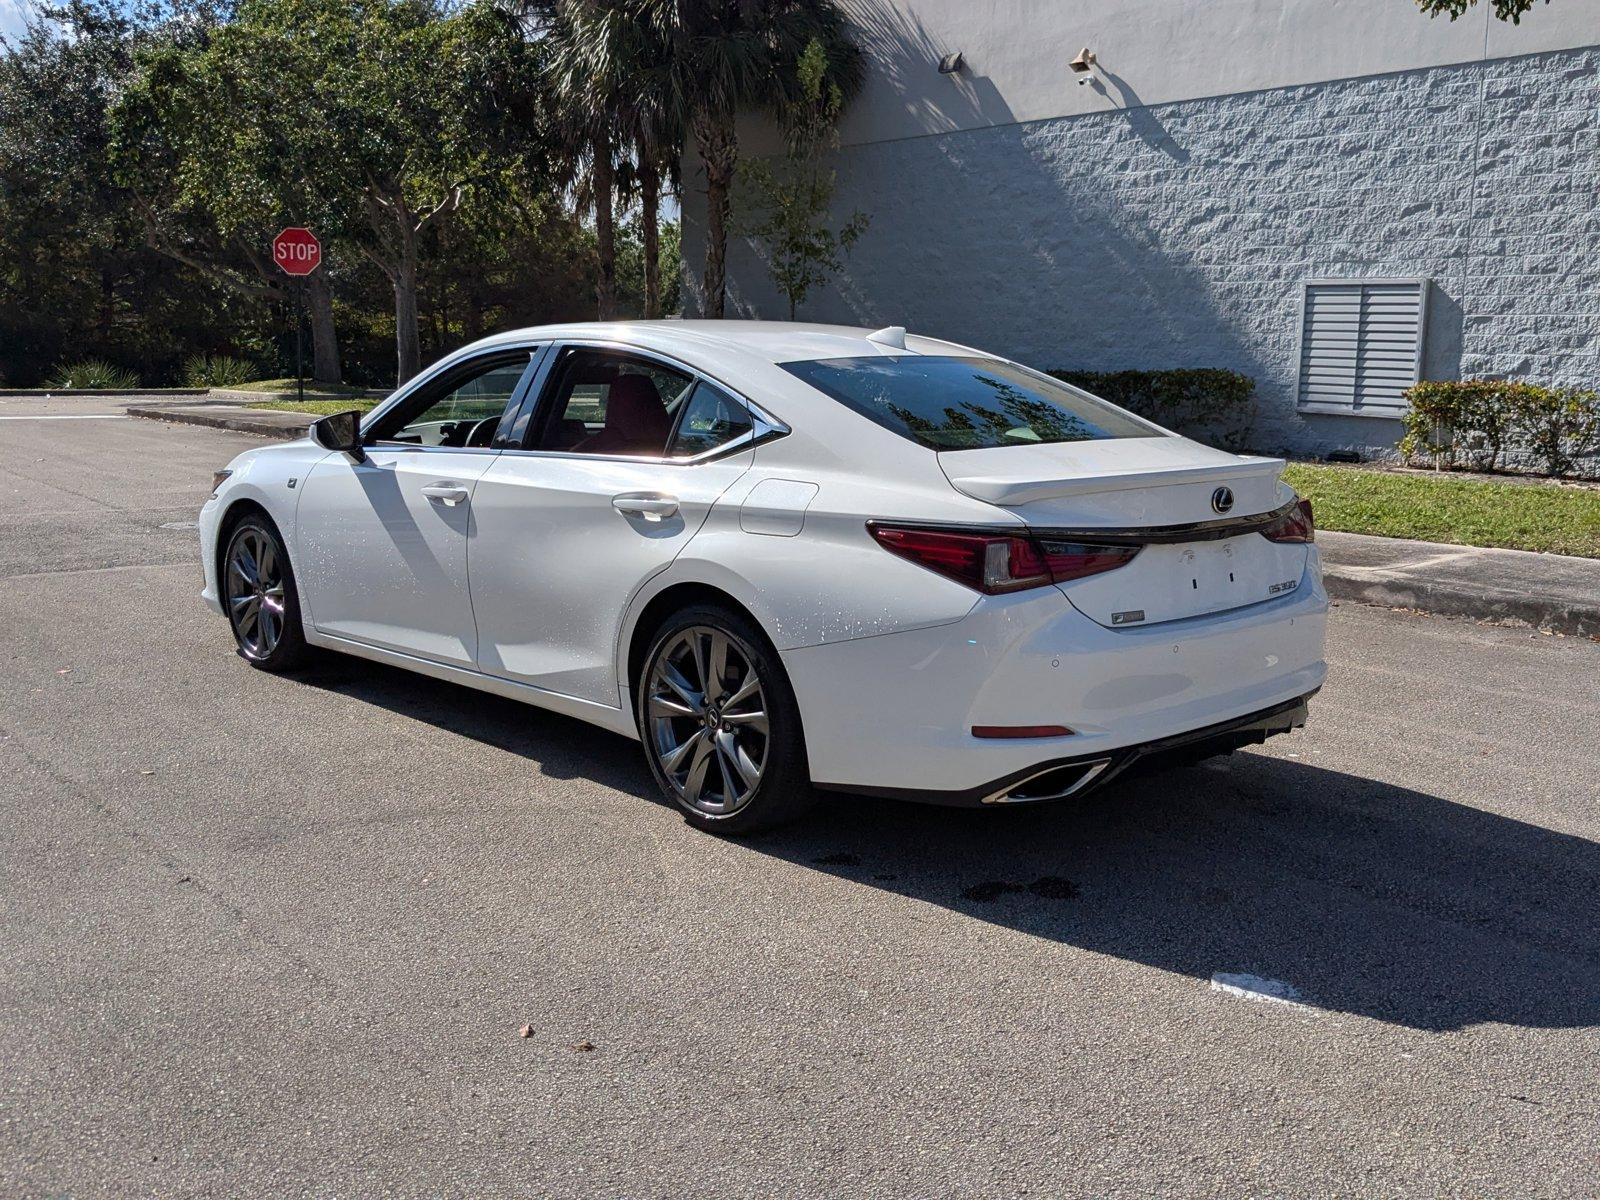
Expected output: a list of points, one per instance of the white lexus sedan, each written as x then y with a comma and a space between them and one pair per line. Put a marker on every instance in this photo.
788, 557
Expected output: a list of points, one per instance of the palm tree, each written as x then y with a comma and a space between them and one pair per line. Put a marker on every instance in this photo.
722, 57
610, 62
636, 75
584, 81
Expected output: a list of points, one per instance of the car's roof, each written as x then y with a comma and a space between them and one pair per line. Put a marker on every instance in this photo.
775, 341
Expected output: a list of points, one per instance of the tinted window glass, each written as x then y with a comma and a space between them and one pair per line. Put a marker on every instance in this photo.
966, 403
712, 418
609, 403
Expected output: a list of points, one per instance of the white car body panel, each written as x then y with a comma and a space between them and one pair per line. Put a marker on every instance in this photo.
555, 564
533, 588
381, 562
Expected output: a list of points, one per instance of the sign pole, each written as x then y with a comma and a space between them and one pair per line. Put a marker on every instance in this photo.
298, 253
299, 325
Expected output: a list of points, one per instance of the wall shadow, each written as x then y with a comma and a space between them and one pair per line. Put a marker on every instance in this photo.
1147, 127
1367, 898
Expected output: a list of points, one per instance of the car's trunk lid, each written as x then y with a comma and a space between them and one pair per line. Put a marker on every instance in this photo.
1188, 506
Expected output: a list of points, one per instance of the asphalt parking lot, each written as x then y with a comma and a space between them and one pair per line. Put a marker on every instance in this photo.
268, 936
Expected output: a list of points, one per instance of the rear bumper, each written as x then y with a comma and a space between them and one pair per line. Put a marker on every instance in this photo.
1083, 774
894, 713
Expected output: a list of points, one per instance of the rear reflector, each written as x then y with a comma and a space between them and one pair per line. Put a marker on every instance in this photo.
1295, 525
996, 563
1020, 731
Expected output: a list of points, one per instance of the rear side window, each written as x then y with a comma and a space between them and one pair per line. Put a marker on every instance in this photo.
607, 402
949, 403
712, 418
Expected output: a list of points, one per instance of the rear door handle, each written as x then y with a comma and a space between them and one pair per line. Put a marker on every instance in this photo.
652, 506
451, 493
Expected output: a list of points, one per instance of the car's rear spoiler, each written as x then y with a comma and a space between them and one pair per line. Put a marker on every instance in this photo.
1011, 491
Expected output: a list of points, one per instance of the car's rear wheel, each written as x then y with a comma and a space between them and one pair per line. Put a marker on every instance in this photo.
720, 725
258, 592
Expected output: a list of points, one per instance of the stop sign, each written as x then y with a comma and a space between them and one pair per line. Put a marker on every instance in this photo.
296, 251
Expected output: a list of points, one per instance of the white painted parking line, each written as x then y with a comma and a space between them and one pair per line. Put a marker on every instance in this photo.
70, 417
1253, 987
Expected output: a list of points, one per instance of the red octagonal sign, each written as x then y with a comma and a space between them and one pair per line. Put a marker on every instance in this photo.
296, 251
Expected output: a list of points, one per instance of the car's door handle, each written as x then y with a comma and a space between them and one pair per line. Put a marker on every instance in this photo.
652, 506
451, 493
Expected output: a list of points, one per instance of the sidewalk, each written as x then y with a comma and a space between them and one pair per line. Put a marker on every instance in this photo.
1547, 591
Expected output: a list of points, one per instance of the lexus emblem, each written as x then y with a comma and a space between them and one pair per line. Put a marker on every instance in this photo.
1222, 500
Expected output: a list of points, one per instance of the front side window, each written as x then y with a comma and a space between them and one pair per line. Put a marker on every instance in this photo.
461, 410
966, 403
605, 402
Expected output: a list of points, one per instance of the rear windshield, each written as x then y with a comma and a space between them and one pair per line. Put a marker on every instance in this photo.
966, 403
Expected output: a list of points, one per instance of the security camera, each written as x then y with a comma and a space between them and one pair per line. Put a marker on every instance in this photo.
1083, 64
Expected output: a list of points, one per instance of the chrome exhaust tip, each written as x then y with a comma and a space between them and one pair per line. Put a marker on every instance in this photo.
1053, 783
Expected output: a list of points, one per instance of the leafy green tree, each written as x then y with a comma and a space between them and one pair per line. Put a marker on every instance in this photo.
397, 111
210, 183
1506, 10
377, 120
791, 200
76, 279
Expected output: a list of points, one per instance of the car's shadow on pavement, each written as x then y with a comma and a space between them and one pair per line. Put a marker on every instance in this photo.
1364, 897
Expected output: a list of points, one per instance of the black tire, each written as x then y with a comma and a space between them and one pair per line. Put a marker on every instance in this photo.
269, 637
730, 741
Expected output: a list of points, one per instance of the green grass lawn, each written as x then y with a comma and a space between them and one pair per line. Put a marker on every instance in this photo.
289, 387
321, 408
1468, 512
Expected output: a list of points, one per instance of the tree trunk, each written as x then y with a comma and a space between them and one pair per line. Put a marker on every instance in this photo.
324, 338
605, 232
650, 222
407, 338
719, 151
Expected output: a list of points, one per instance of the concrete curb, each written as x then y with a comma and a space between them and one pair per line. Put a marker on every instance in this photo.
285, 426
1425, 596
1554, 592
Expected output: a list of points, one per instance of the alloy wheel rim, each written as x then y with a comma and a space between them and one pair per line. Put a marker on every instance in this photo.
707, 717
255, 593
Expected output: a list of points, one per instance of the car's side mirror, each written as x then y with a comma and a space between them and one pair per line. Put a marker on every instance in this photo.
341, 431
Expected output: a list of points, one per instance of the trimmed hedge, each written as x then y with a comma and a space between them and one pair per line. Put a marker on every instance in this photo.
1480, 423
1205, 403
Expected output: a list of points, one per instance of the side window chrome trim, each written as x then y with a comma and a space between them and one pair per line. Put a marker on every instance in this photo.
744, 441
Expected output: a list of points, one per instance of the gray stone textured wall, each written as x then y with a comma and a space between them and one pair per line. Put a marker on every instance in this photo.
1180, 234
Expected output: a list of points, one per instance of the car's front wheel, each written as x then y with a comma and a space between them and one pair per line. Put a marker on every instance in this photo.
258, 591
720, 725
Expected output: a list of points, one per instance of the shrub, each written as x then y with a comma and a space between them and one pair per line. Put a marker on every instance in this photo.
96, 373
1206, 403
1479, 423
216, 370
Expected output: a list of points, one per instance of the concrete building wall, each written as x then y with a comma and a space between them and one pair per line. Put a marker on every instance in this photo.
1179, 233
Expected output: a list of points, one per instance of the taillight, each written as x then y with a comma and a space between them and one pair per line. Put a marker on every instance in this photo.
1295, 525
996, 563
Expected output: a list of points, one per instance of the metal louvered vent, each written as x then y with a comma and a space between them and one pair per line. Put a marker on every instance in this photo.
1361, 344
